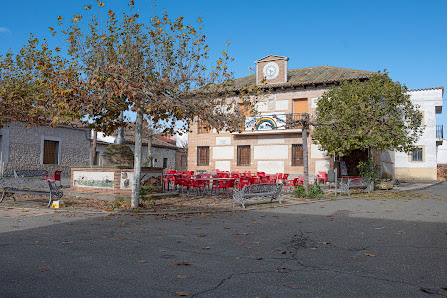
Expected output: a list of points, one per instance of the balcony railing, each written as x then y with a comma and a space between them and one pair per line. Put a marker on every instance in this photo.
439, 132
271, 122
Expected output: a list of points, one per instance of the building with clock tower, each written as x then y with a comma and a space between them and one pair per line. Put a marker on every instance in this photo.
270, 143
271, 70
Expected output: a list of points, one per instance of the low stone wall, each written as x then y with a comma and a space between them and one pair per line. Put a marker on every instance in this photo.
442, 172
110, 180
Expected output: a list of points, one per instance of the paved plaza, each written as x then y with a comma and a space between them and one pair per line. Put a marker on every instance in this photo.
389, 244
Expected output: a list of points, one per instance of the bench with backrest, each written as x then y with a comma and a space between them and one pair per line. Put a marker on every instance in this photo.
346, 185
28, 182
271, 190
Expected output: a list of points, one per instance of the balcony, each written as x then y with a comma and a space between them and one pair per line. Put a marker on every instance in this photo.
271, 124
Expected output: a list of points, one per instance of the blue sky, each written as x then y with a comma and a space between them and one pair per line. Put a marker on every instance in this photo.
408, 38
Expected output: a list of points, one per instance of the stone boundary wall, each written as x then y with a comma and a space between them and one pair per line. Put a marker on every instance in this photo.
442, 172
146, 174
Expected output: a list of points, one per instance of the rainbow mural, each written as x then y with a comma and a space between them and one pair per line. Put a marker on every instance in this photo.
265, 122
269, 121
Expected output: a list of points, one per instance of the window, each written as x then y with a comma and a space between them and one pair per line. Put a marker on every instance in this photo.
165, 163
204, 127
297, 155
50, 152
203, 155
417, 154
243, 155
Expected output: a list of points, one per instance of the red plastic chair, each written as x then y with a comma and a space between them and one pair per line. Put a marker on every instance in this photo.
264, 179
247, 174
55, 177
222, 184
186, 181
322, 176
198, 183
241, 182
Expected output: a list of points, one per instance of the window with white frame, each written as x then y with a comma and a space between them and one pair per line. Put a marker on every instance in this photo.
417, 154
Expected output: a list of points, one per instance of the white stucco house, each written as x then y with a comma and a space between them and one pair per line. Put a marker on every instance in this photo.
421, 164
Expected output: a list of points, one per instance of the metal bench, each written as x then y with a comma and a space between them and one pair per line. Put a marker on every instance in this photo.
354, 184
272, 190
27, 182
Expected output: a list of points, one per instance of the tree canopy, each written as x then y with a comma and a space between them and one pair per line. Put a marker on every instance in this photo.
159, 68
376, 113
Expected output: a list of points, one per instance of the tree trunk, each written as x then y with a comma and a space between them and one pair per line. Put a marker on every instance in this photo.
135, 199
94, 147
149, 151
305, 155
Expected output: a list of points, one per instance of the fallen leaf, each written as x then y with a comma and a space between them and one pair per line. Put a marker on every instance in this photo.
281, 252
259, 258
313, 248
181, 293
206, 247
429, 291
201, 235
184, 263
325, 243
292, 286
142, 261
369, 255
181, 276
43, 269
354, 257
283, 270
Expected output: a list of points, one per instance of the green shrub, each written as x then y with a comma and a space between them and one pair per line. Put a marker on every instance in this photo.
315, 192
368, 169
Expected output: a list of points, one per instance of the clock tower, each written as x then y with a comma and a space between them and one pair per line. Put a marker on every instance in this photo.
271, 70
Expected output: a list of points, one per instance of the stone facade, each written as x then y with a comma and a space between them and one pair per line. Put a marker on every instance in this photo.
22, 147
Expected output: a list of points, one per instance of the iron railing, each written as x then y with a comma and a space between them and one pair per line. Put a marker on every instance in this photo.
439, 132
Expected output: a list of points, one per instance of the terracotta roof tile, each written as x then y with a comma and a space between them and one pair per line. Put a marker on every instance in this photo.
312, 75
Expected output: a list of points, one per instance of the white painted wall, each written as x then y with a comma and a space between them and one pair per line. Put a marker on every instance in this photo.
266, 139
223, 165
271, 152
315, 152
271, 166
427, 100
223, 152
322, 165
442, 153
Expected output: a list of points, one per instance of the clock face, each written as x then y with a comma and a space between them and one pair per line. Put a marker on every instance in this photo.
271, 70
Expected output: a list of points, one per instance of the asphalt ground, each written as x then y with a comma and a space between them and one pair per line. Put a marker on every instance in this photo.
383, 245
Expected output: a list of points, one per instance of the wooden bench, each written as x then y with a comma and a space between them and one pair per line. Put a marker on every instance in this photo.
27, 182
272, 190
354, 184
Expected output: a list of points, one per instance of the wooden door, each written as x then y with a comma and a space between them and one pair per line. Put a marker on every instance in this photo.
300, 105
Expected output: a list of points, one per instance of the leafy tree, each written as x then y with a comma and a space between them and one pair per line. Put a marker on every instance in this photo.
160, 69
27, 93
376, 113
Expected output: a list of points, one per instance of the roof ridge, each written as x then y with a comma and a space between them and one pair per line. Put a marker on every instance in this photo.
426, 89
